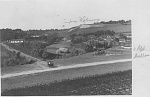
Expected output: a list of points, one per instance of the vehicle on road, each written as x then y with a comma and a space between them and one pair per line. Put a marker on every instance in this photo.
50, 64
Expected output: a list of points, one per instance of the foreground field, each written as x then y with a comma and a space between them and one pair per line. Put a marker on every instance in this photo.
119, 83
58, 75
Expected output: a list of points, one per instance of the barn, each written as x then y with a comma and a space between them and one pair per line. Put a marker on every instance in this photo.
54, 47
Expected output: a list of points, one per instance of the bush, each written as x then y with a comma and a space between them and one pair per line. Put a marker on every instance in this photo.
16, 59
34, 49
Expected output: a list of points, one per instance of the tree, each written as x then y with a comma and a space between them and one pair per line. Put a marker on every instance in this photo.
18, 55
122, 36
51, 38
8, 34
44, 55
37, 49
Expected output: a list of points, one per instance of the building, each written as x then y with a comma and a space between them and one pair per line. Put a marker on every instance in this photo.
36, 36
54, 47
122, 40
127, 46
64, 39
16, 41
91, 36
129, 39
108, 38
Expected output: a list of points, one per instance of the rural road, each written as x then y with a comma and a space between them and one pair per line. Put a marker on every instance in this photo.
64, 67
61, 73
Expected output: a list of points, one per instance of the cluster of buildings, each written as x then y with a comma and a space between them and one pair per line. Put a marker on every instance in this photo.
111, 40
126, 43
16, 40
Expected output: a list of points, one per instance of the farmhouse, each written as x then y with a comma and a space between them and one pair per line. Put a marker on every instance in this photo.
108, 38
129, 39
127, 46
54, 47
91, 36
66, 39
122, 40
17, 41
35, 36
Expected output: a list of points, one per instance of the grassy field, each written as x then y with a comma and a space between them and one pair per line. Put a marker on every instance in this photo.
119, 83
19, 68
90, 57
118, 28
113, 27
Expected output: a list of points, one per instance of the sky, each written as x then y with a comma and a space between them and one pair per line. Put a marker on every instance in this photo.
55, 14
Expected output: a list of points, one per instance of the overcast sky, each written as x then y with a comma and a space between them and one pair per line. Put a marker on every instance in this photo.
47, 14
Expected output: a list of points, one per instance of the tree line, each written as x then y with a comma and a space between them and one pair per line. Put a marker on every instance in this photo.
79, 38
92, 45
115, 22
9, 34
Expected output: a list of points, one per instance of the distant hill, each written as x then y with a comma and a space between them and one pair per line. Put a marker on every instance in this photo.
89, 28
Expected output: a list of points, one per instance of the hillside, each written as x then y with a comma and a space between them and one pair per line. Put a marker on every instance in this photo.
113, 27
118, 28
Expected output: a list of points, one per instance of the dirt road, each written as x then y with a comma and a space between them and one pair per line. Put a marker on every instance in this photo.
64, 67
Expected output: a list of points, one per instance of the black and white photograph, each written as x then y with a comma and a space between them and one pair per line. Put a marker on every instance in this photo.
67, 47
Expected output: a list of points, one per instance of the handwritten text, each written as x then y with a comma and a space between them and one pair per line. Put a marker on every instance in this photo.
83, 19
140, 52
